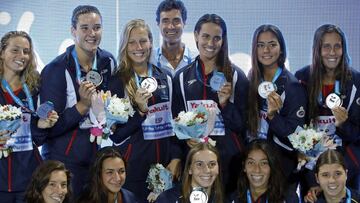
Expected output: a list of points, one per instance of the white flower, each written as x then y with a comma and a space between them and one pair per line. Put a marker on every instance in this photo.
9, 112
190, 118
120, 107
304, 139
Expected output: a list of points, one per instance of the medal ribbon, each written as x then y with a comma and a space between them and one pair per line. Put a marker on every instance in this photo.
17, 100
137, 78
77, 65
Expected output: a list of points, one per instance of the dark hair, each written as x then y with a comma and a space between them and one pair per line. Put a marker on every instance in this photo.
256, 72
83, 9
342, 72
223, 60
96, 191
330, 156
41, 178
29, 74
275, 191
168, 5
216, 189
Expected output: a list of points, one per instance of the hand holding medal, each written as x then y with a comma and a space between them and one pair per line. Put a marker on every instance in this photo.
48, 117
217, 81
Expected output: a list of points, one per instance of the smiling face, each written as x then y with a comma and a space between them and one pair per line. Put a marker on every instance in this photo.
171, 25
204, 169
209, 41
139, 46
88, 32
332, 180
16, 55
113, 174
57, 188
268, 50
331, 51
257, 170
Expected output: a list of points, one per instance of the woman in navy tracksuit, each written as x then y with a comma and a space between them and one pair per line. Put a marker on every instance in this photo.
330, 72
192, 88
147, 136
19, 82
277, 116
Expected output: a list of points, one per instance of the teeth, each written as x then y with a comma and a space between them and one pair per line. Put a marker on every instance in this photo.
171, 33
209, 50
332, 187
20, 62
332, 60
57, 198
138, 54
256, 177
267, 57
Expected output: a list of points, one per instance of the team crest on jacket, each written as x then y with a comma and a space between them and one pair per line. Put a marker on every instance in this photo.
301, 112
358, 101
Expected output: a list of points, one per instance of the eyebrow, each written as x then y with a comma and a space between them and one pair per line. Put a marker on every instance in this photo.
272, 41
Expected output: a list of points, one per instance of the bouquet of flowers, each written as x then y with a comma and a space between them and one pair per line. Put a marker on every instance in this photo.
159, 179
118, 110
10, 120
191, 124
310, 144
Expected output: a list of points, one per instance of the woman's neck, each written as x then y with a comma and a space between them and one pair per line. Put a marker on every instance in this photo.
269, 73
141, 69
329, 77
85, 59
12, 78
257, 192
336, 199
111, 197
209, 65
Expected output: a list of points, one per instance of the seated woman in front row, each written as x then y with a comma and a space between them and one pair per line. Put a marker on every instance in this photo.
331, 175
108, 175
261, 179
200, 180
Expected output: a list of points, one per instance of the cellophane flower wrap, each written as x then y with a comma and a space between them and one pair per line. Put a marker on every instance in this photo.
117, 110
10, 120
159, 179
310, 143
191, 124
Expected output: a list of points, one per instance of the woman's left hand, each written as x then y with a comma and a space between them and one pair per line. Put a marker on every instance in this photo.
274, 104
341, 115
175, 168
49, 122
224, 94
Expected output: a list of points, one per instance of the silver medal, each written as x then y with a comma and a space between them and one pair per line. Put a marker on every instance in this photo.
94, 77
265, 88
333, 100
150, 84
198, 196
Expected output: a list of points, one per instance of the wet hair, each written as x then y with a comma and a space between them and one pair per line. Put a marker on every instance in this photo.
83, 9
342, 72
275, 191
168, 5
126, 72
96, 190
40, 179
223, 60
30, 75
256, 73
330, 156
216, 189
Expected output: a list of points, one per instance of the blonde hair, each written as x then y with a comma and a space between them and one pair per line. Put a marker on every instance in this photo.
29, 74
125, 71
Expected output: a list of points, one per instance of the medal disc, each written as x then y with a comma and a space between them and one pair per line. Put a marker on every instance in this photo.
44, 109
217, 81
265, 88
333, 100
198, 196
150, 84
94, 77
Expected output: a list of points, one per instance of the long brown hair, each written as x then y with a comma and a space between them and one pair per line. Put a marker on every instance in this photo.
275, 191
216, 189
126, 72
256, 73
223, 60
317, 68
97, 191
41, 178
29, 74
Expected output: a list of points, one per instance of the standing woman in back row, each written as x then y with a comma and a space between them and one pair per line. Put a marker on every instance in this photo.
146, 138
194, 85
330, 75
274, 112
19, 87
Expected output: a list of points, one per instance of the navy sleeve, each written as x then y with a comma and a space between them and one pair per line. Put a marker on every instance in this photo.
293, 112
53, 88
177, 101
234, 113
